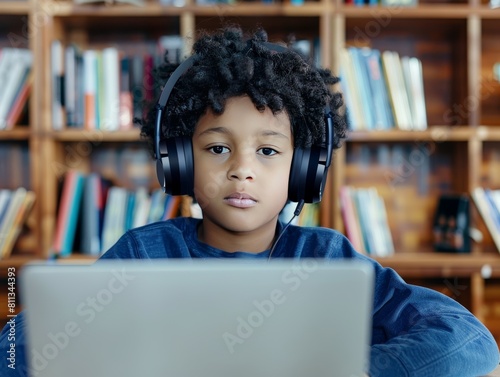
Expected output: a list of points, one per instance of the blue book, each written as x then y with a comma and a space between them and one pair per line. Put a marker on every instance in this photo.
382, 110
364, 89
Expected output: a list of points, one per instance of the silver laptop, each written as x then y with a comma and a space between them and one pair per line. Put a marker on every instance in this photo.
214, 318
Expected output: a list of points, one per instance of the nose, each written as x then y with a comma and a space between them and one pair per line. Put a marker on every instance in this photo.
241, 167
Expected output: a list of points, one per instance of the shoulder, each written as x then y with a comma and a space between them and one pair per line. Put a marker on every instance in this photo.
163, 239
317, 242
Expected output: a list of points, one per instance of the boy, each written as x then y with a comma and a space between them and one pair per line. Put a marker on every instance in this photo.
246, 109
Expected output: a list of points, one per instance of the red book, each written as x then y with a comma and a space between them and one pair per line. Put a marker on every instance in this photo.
19, 103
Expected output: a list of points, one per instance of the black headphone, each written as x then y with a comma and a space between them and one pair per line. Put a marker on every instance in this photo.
174, 156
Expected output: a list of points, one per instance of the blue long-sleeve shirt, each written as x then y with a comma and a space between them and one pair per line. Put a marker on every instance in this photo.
416, 331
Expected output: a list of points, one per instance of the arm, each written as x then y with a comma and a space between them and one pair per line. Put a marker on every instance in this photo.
13, 362
420, 332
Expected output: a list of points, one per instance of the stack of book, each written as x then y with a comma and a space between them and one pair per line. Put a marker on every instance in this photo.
16, 81
382, 90
365, 221
488, 203
106, 88
93, 213
15, 207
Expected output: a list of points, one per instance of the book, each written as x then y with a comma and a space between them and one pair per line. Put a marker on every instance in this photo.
111, 89
141, 207
487, 214
92, 209
397, 90
68, 213
381, 109
136, 84
114, 217
494, 209
363, 86
350, 90
4, 203
413, 77
366, 222
22, 210
19, 104
172, 205
90, 89
71, 56
57, 76
351, 223
157, 208
126, 100
15, 71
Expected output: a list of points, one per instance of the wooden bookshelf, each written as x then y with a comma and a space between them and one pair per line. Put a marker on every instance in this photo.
456, 42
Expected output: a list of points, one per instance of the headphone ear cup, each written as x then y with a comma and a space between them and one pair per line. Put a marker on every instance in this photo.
307, 175
176, 169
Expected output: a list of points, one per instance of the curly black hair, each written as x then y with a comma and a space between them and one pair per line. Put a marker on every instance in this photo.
226, 65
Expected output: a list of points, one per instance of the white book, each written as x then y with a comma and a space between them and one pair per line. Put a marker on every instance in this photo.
375, 226
405, 66
20, 64
114, 217
407, 123
495, 196
5, 66
386, 231
484, 208
111, 89
417, 83
141, 208
397, 90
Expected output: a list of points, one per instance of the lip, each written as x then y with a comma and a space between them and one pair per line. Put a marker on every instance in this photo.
240, 200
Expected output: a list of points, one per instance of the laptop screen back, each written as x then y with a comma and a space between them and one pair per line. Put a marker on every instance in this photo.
199, 318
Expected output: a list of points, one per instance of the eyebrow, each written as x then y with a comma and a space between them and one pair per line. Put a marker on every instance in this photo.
225, 131
273, 133
216, 130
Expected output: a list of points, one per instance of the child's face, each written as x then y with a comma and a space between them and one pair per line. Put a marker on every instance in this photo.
242, 163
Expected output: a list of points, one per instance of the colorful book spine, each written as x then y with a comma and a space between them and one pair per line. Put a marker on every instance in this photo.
68, 213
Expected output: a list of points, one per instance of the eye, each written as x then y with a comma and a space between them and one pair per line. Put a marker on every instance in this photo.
218, 149
267, 151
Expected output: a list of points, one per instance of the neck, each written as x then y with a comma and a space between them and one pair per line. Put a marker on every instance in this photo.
254, 241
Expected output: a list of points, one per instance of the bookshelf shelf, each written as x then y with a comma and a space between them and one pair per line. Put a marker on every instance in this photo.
443, 264
437, 134
251, 9
489, 133
96, 136
66, 9
15, 7
424, 11
457, 43
485, 12
19, 133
